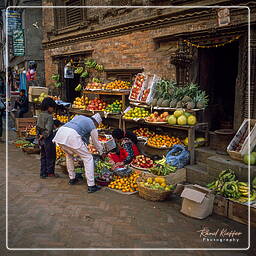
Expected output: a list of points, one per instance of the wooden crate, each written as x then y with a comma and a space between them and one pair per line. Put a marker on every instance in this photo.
35, 91
220, 206
22, 124
239, 212
242, 132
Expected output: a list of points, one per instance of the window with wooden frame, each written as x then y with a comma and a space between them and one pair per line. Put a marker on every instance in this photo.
69, 17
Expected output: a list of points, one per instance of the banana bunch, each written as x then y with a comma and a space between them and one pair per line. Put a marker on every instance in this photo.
246, 193
79, 70
228, 186
227, 175
99, 67
161, 161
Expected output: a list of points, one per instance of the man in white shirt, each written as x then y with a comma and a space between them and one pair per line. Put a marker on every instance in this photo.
73, 138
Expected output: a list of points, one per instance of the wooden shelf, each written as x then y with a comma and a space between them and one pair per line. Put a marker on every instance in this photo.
107, 92
144, 105
90, 113
188, 128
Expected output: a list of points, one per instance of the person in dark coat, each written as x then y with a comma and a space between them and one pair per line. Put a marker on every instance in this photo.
21, 103
45, 134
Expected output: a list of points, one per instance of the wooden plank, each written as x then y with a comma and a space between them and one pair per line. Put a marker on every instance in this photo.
220, 206
239, 212
107, 92
191, 145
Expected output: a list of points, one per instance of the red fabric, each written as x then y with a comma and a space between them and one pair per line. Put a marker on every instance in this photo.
118, 158
135, 149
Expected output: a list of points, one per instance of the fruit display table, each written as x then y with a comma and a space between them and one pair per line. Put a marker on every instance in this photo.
188, 128
123, 94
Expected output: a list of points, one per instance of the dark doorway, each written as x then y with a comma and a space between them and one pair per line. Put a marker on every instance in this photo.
217, 76
70, 85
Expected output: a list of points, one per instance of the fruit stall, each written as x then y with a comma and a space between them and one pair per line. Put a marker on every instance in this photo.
169, 123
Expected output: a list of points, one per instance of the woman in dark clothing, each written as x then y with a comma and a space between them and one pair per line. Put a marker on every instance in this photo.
22, 104
45, 126
126, 148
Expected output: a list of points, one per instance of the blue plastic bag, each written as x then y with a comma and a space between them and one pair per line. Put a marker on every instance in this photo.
179, 160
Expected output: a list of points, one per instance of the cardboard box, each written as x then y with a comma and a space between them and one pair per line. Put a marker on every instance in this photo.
108, 145
197, 201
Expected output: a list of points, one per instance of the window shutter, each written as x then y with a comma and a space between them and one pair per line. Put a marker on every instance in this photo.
73, 15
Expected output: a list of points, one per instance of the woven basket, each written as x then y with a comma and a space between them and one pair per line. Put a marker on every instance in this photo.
31, 150
152, 194
235, 155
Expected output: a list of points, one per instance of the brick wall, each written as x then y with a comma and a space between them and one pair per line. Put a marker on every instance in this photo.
135, 49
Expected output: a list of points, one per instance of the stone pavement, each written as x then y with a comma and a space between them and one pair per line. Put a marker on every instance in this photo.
51, 213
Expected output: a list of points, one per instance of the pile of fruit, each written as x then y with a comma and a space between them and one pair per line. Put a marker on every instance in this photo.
162, 168
157, 118
92, 149
95, 85
250, 158
143, 132
102, 127
54, 97
158, 183
105, 177
81, 102
40, 98
137, 86
145, 95
96, 104
163, 141
29, 145
200, 141
62, 118
168, 94
126, 184
142, 161
228, 186
180, 117
59, 152
103, 138
32, 131
20, 142
115, 107
102, 166
136, 113
118, 85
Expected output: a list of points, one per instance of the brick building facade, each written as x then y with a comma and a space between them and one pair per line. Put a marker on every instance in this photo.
128, 40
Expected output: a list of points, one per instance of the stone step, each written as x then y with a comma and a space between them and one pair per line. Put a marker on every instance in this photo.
197, 174
216, 164
202, 154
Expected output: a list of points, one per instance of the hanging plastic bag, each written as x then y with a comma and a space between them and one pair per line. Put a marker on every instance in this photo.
178, 156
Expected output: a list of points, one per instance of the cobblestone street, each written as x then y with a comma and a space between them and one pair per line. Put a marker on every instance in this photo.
51, 213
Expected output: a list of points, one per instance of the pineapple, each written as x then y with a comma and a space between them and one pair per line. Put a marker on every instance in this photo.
201, 99
186, 99
190, 105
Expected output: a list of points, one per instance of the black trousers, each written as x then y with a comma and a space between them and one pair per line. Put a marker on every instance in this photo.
22, 110
48, 156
